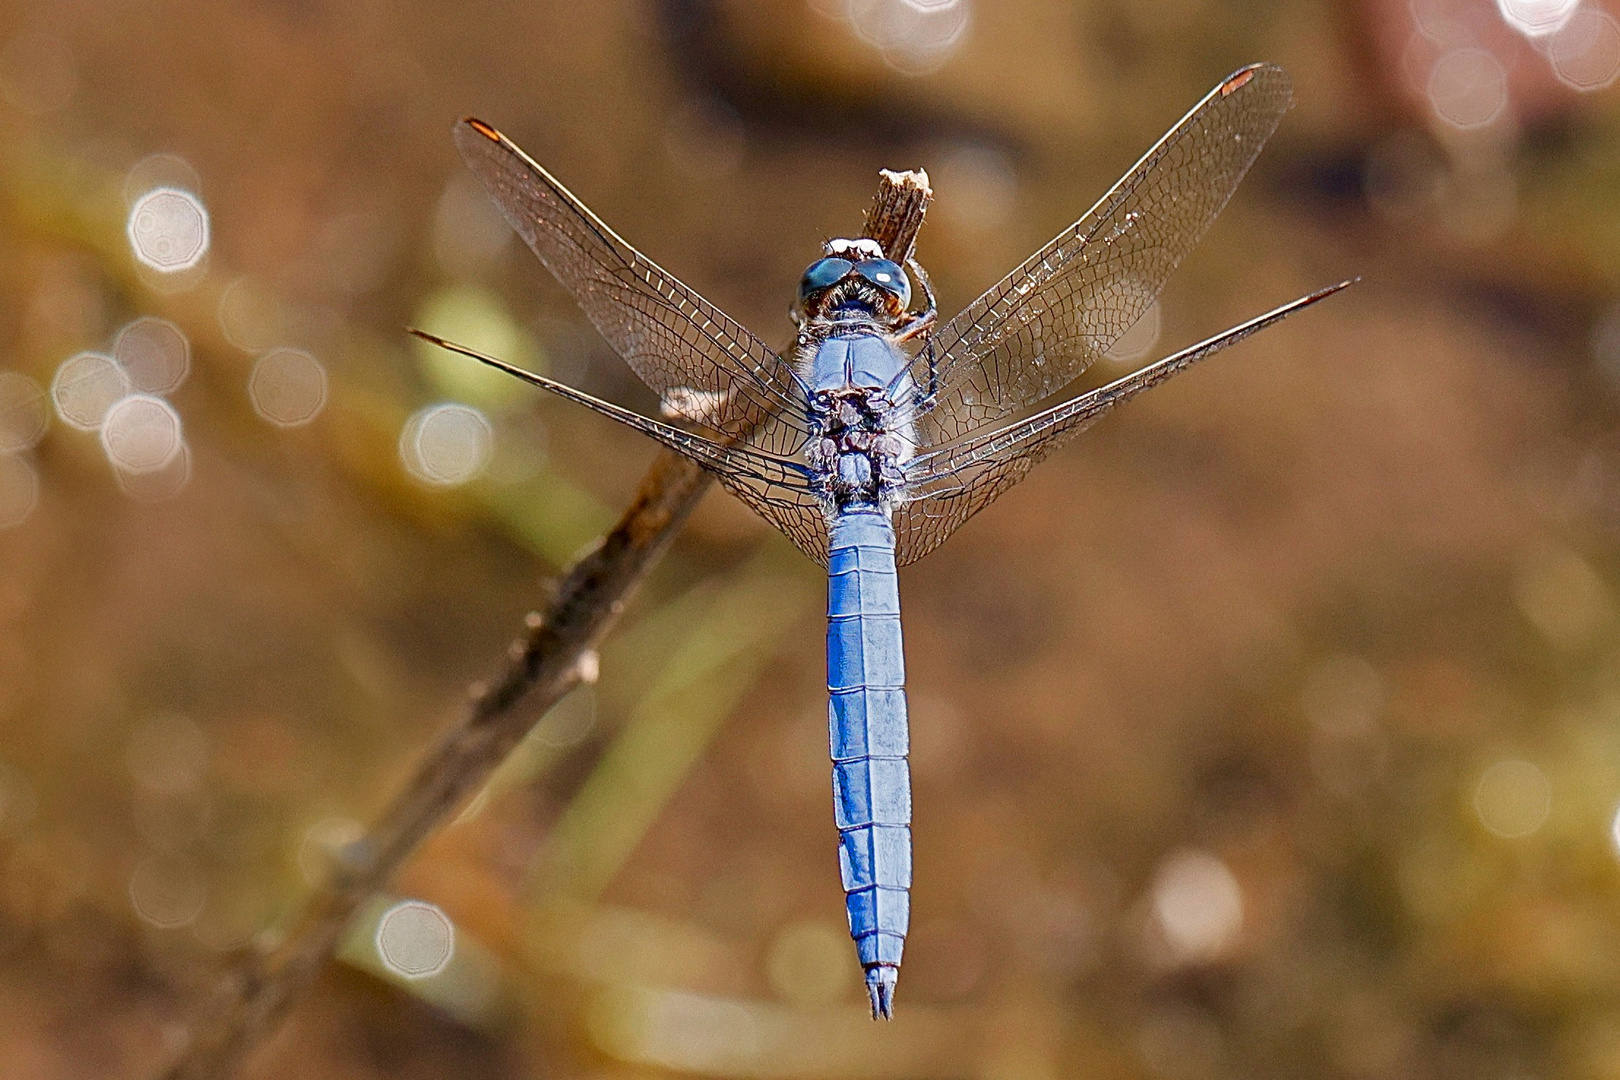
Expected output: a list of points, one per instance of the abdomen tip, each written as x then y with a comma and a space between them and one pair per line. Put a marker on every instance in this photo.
880, 981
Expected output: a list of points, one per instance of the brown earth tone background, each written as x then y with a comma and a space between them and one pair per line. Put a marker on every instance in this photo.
1271, 730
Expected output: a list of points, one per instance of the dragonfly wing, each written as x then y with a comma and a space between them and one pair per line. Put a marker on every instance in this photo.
776, 488
704, 365
948, 485
1045, 323
792, 508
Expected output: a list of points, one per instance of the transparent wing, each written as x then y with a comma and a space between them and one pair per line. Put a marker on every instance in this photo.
776, 488
704, 365
1045, 323
946, 486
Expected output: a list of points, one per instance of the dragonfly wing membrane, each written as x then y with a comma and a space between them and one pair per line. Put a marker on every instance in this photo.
678, 343
791, 507
947, 486
777, 489
1046, 322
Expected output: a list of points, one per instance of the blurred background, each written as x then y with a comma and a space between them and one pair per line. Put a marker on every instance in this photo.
1270, 730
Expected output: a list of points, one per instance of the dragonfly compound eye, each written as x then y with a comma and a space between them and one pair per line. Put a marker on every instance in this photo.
887, 276
823, 274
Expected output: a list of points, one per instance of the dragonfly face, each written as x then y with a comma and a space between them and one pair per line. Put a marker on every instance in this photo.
855, 275
868, 455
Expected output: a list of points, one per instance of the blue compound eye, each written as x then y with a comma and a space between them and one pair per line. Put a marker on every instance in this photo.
887, 276
823, 274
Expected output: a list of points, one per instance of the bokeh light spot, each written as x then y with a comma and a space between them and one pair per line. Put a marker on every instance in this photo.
159, 171
24, 414
167, 893
168, 230
167, 754
322, 845
1537, 18
913, 36
159, 485
446, 444
141, 434
1585, 52
808, 963
19, 491
1562, 596
154, 354
568, 721
1468, 88
253, 317
520, 452
1449, 22
1139, 338
1343, 694
415, 939
1101, 318
1198, 905
1513, 798
233, 918
477, 318
85, 387
983, 185
288, 387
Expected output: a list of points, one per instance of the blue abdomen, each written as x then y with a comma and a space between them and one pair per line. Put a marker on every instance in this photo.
867, 724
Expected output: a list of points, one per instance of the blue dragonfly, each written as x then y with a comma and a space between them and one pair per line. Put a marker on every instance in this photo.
881, 431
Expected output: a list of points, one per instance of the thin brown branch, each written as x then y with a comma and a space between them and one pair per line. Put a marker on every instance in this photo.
897, 211
541, 667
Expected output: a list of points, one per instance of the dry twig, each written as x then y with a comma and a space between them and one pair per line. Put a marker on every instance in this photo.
542, 666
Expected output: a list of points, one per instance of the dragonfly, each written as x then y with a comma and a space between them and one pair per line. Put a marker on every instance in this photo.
881, 430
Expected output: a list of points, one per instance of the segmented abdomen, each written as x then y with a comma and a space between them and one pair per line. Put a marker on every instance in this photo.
867, 723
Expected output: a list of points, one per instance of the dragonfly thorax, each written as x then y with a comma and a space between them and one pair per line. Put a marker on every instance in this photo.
855, 457
857, 451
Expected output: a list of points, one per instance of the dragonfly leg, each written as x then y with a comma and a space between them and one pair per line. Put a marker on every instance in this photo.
927, 286
922, 323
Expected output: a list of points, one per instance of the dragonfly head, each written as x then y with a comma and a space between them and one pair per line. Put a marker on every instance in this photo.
854, 273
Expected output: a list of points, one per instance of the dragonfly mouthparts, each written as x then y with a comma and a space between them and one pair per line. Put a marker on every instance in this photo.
880, 980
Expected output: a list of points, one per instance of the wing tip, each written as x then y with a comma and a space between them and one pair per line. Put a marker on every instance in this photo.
1242, 76
1236, 81
482, 128
1329, 290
